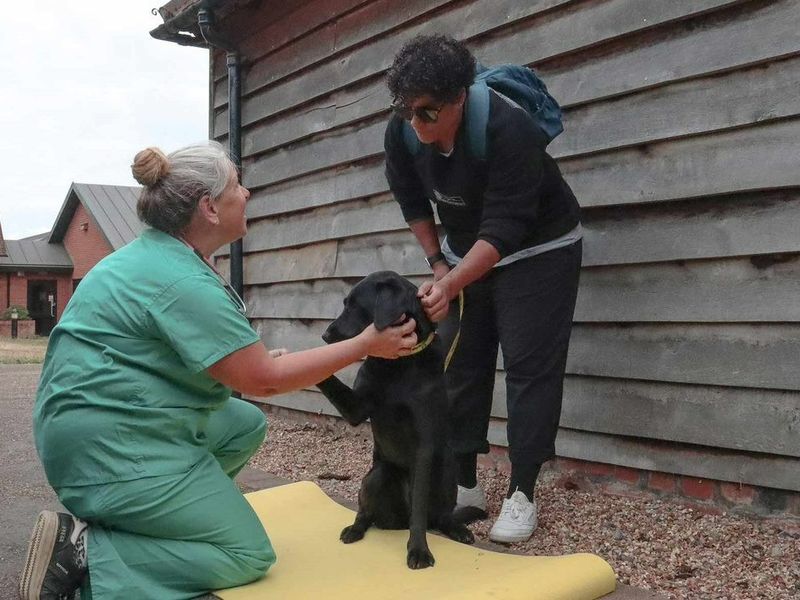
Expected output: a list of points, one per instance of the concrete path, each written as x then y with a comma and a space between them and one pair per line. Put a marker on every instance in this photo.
24, 491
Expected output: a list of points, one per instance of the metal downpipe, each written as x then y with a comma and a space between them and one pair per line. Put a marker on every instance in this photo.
205, 21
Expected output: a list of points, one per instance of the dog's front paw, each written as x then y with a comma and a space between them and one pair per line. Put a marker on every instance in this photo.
420, 558
351, 534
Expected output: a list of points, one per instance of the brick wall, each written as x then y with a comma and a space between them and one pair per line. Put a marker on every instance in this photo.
25, 329
706, 495
84, 243
64, 293
19, 288
5, 279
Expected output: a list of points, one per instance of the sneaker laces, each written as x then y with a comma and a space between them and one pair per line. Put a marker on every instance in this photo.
78, 539
512, 508
80, 550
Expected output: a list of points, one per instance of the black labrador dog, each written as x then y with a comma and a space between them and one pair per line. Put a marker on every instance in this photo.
412, 482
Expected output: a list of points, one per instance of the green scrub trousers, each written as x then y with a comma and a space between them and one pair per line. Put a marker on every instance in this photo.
178, 536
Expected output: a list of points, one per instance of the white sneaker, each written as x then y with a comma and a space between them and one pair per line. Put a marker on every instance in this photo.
517, 520
474, 497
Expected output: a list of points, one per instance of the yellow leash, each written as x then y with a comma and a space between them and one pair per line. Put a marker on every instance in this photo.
423, 344
458, 333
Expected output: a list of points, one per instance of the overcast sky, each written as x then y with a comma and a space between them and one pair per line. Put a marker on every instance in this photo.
83, 87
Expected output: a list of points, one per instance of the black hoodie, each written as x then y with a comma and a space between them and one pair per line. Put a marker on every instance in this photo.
514, 199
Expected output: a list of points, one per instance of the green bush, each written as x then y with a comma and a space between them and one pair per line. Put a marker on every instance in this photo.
22, 313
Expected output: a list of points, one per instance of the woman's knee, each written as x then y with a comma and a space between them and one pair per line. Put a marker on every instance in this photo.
254, 421
254, 556
247, 423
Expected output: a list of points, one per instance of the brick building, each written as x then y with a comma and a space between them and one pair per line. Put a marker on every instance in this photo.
41, 272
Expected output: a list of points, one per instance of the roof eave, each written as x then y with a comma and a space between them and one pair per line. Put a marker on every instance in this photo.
2, 243
180, 21
28, 267
64, 216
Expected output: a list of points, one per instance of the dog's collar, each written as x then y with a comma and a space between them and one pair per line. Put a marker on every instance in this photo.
423, 344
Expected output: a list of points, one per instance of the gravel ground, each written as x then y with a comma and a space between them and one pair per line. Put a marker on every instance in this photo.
656, 544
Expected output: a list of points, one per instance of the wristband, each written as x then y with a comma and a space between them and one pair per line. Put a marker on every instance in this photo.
434, 258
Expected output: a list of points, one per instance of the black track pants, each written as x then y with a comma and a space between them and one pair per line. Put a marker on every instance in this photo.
526, 306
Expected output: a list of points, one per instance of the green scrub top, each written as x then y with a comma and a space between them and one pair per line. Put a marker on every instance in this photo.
124, 393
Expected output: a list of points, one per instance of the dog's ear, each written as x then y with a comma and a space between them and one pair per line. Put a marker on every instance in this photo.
390, 303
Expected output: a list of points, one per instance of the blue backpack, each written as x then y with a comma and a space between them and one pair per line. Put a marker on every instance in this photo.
516, 84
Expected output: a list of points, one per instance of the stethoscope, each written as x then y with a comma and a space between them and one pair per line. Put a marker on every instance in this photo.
232, 293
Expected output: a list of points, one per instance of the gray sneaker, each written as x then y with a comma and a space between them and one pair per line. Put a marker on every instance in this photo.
517, 520
56, 562
470, 504
474, 497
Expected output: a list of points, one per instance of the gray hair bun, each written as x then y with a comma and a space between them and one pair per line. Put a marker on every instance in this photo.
150, 166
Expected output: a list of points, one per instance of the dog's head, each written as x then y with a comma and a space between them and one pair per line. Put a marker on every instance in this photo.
380, 298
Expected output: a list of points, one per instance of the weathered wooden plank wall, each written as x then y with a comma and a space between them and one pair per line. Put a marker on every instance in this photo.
682, 144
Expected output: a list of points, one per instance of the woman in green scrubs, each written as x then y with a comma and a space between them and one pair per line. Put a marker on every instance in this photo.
133, 420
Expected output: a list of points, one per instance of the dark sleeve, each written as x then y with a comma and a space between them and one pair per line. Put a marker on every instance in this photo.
515, 169
402, 175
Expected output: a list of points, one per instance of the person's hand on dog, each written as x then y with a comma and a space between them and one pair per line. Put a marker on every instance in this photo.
435, 299
393, 342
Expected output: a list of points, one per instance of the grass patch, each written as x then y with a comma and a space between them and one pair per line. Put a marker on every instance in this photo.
22, 351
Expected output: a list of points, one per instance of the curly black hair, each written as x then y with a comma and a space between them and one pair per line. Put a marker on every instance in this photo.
434, 65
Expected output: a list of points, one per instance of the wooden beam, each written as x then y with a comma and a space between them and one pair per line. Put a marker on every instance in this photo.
560, 30
374, 55
742, 224
361, 217
736, 355
722, 291
693, 461
728, 355
706, 104
756, 34
353, 181
753, 158
722, 226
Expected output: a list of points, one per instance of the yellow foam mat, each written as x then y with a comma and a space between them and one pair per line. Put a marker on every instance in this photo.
304, 525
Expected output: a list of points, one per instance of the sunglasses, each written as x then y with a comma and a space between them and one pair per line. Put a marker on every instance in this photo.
426, 114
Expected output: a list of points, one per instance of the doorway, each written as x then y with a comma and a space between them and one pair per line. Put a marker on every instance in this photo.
42, 304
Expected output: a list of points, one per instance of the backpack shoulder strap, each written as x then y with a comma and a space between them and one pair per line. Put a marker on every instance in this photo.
476, 115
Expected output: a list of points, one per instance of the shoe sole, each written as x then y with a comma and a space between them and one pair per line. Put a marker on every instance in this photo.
40, 551
509, 539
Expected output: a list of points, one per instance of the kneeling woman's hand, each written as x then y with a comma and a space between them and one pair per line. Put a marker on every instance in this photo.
253, 370
392, 342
